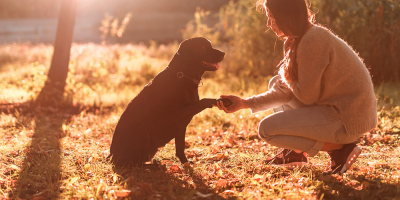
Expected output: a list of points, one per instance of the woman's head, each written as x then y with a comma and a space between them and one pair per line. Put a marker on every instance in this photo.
288, 18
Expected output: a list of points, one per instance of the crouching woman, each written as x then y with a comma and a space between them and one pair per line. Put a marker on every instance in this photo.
323, 97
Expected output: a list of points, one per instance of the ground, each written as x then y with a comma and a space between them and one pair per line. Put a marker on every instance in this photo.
60, 152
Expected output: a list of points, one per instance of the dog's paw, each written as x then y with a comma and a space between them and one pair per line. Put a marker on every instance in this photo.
208, 103
183, 159
186, 164
227, 102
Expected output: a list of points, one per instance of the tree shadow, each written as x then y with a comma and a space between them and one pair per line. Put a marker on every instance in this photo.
40, 173
156, 181
360, 187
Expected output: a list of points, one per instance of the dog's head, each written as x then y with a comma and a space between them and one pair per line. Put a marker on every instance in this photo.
199, 51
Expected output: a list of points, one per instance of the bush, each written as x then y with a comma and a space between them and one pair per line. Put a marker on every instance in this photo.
371, 27
29, 8
242, 35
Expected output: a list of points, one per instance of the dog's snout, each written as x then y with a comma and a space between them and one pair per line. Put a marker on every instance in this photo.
215, 56
222, 55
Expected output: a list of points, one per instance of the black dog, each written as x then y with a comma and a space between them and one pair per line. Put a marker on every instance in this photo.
165, 106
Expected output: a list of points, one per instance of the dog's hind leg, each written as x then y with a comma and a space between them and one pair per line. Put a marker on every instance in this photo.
143, 149
136, 149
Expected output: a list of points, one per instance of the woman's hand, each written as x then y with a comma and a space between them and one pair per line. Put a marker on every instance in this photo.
237, 104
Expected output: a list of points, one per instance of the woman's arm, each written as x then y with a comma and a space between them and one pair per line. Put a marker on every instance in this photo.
277, 95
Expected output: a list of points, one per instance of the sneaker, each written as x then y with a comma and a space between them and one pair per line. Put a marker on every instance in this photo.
288, 157
342, 159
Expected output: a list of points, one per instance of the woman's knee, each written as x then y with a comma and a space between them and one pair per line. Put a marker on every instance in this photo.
266, 130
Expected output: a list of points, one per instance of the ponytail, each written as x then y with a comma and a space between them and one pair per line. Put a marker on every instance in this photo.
288, 66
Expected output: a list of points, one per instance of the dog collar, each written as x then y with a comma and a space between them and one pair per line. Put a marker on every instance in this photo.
180, 74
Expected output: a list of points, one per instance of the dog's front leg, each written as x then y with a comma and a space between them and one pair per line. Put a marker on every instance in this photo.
190, 111
180, 147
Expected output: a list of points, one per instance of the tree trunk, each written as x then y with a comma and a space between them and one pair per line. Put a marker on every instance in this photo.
56, 80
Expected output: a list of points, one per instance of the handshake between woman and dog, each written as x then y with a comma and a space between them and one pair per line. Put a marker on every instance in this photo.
165, 106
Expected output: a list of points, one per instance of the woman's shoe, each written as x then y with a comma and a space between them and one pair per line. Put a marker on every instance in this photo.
288, 157
342, 159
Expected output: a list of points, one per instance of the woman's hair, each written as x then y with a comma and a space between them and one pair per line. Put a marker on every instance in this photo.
293, 18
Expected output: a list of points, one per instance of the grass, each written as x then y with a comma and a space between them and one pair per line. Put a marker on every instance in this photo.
60, 153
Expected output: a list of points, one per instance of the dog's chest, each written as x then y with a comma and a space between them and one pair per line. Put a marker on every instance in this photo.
191, 96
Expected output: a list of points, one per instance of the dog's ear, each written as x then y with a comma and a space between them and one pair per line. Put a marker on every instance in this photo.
195, 48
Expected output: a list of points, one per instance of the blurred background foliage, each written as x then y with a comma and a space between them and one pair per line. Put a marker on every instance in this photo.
118, 8
29, 8
371, 27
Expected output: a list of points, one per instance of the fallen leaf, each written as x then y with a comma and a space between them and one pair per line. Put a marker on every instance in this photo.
15, 167
14, 153
254, 182
79, 161
228, 192
122, 193
166, 162
187, 145
259, 178
352, 183
190, 154
221, 183
115, 178
223, 156
226, 145
73, 180
366, 169
379, 165
264, 150
214, 150
201, 195
243, 155
186, 165
231, 141
174, 169
89, 173
216, 167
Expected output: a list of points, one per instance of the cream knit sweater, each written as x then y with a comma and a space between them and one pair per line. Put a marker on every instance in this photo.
329, 73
